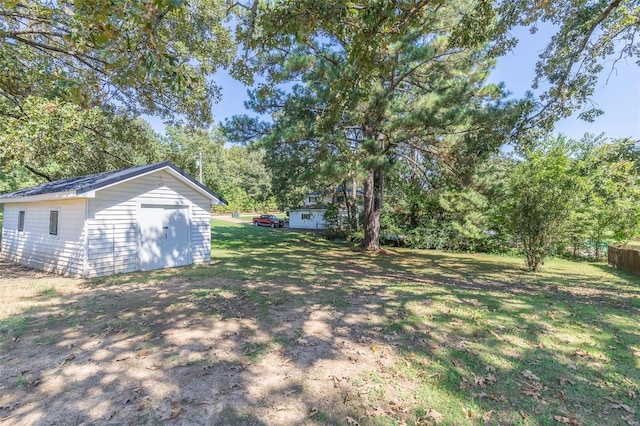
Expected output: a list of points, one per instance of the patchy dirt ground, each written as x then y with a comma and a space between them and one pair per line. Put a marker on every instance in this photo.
214, 352
357, 341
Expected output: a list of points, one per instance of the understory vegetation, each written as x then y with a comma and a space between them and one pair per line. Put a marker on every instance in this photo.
557, 198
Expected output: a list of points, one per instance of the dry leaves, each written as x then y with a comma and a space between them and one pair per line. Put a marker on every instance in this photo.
532, 387
142, 353
491, 379
565, 380
433, 415
457, 362
571, 420
581, 353
336, 380
620, 405
625, 408
529, 375
176, 410
478, 381
630, 419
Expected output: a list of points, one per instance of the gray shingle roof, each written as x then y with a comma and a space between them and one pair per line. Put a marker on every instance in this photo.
83, 184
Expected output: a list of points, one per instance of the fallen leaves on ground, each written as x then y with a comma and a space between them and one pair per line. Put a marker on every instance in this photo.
176, 410
433, 415
529, 375
567, 420
626, 408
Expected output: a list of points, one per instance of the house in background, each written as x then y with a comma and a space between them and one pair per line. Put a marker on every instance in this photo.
310, 215
143, 218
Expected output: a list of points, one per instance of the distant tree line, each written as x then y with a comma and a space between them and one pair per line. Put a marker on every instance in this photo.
237, 173
391, 95
552, 197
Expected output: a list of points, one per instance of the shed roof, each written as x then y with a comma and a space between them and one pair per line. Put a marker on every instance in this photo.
84, 186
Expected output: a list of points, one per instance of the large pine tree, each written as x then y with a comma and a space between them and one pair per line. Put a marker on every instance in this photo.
352, 88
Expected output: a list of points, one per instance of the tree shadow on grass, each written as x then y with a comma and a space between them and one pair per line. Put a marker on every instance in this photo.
317, 334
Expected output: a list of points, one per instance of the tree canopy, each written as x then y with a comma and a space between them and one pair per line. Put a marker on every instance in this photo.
61, 139
237, 173
77, 74
589, 36
146, 57
371, 83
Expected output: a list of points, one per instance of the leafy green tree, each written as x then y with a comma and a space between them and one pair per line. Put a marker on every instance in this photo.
541, 192
17, 178
145, 56
75, 75
236, 173
365, 82
612, 203
589, 36
60, 139
184, 146
250, 176
432, 206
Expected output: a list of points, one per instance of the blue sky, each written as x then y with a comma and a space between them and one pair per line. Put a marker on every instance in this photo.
617, 92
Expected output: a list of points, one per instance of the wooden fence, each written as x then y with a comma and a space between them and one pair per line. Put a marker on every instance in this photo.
626, 258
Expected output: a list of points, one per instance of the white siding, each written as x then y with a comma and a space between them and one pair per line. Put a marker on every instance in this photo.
62, 253
112, 243
316, 220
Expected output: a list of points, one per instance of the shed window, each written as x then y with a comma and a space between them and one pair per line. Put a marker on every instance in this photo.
21, 220
306, 216
53, 222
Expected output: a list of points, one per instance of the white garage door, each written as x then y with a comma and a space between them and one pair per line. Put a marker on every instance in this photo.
164, 236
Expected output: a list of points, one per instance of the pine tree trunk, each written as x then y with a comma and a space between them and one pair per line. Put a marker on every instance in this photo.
354, 207
373, 186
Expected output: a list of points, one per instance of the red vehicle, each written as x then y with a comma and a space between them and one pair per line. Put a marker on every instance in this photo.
268, 220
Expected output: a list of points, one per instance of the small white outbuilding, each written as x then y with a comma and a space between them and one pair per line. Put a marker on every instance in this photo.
308, 217
143, 218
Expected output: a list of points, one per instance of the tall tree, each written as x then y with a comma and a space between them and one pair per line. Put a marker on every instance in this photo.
76, 74
147, 56
60, 139
369, 79
612, 204
590, 35
187, 146
237, 173
249, 180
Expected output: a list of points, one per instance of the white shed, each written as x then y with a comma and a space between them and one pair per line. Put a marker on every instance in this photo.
143, 218
308, 217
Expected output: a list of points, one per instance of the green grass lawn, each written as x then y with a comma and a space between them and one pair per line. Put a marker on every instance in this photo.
286, 327
477, 334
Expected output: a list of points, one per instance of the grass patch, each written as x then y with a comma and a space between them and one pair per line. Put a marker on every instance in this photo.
48, 291
255, 352
12, 328
403, 337
21, 380
478, 337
